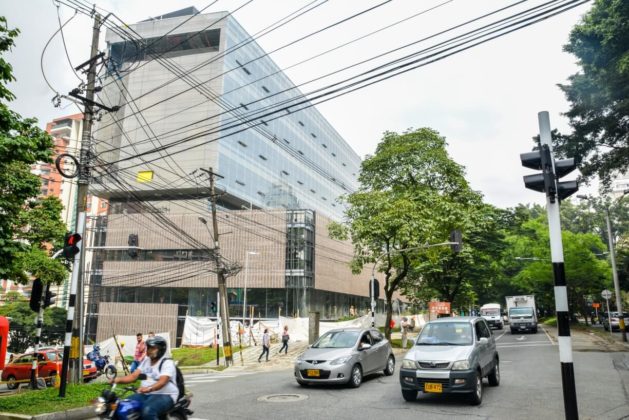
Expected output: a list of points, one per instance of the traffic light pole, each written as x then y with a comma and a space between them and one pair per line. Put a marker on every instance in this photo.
39, 321
612, 256
561, 293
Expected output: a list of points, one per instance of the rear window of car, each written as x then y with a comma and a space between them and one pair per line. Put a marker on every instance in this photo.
337, 340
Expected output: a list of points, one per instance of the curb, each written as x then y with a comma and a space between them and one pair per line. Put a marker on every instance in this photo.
71, 414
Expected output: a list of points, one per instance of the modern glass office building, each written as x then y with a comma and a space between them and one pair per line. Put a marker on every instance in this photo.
197, 93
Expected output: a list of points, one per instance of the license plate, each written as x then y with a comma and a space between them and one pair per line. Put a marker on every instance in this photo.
86, 372
432, 387
313, 372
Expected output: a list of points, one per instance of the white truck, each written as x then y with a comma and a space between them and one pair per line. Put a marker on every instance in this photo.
492, 314
522, 313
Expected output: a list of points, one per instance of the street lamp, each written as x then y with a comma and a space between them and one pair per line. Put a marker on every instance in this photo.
244, 300
612, 257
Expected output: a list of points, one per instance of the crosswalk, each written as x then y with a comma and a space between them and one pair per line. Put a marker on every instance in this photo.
193, 379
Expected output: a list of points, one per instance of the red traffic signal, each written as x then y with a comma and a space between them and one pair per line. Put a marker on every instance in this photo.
70, 245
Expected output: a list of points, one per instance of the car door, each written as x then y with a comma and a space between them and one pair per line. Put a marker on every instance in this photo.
366, 355
486, 349
23, 367
380, 349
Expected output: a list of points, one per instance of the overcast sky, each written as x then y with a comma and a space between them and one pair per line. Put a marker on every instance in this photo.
484, 101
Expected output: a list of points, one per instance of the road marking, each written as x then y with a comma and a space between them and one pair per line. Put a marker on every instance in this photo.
544, 344
501, 335
520, 338
548, 335
202, 381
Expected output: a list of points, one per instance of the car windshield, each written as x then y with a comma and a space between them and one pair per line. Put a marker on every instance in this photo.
336, 340
52, 356
445, 334
490, 311
521, 311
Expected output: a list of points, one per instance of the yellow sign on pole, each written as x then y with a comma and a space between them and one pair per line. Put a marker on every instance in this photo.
227, 351
74, 348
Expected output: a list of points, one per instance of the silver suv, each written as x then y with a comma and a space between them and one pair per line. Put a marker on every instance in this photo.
451, 355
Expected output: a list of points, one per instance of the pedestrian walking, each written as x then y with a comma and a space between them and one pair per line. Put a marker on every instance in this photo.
285, 338
266, 344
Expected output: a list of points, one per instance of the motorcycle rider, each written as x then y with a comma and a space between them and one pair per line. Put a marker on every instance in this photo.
158, 392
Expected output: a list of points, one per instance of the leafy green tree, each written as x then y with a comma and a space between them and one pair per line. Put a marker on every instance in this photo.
26, 223
411, 195
599, 93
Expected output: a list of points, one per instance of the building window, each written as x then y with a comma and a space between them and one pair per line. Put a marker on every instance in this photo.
324, 199
244, 106
265, 89
300, 123
325, 146
285, 173
300, 152
262, 157
240, 183
300, 183
286, 141
264, 122
260, 193
314, 136
312, 191
242, 143
243, 68
333, 154
344, 164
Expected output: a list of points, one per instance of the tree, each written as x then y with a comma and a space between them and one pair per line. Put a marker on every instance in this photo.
599, 93
26, 223
411, 195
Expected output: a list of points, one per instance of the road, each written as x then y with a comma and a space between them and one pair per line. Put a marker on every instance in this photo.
530, 388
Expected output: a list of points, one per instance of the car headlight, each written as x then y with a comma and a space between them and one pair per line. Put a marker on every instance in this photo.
341, 360
461, 365
408, 364
300, 358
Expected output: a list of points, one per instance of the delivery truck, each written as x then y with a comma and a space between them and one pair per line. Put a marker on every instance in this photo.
522, 313
493, 315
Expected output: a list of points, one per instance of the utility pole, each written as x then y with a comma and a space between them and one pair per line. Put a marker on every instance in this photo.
76, 345
220, 273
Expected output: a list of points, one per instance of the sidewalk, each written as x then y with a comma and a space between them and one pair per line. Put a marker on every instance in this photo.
584, 340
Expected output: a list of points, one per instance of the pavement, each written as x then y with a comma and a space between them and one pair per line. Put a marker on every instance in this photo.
583, 340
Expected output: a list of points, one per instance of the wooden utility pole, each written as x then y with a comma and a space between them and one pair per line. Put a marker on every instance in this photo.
220, 272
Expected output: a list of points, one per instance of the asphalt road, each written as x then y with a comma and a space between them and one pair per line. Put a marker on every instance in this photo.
530, 388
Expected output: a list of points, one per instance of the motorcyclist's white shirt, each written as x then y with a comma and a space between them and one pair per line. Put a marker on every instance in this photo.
153, 374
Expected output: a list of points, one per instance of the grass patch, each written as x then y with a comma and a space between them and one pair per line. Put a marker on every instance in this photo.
32, 402
197, 356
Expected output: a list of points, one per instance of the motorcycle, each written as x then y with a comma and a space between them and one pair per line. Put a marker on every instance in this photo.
102, 363
112, 405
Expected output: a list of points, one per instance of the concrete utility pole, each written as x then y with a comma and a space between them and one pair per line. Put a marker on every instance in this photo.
220, 272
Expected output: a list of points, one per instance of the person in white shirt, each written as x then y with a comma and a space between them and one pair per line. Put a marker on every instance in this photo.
266, 345
158, 391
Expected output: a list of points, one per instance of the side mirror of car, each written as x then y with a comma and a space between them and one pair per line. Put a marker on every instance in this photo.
483, 340
364, 346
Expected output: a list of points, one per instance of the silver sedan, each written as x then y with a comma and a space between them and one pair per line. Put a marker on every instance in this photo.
344, 356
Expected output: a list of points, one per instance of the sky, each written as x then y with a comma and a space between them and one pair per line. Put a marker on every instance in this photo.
484, 101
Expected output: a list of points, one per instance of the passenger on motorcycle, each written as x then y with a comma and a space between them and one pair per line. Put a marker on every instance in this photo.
158, 392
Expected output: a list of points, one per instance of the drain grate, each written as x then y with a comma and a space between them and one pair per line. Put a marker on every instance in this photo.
282, 398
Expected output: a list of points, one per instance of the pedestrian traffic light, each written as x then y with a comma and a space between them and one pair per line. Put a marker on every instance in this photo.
546, 181
49, 298
133, 245
376, 288
456, 239
71, 245
36, 293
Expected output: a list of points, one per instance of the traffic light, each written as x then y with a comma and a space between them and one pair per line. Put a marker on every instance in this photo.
546, 181
376, 288
71, 245
456, 237
133, 245
49, 298
36, 293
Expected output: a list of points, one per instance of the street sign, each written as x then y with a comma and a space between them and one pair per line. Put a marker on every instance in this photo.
596, 305
606, 294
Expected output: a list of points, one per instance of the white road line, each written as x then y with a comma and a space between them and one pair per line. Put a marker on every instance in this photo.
206, 381
525, 345
549, 337
501, 335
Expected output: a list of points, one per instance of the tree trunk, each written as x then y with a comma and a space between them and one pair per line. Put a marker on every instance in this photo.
389, 309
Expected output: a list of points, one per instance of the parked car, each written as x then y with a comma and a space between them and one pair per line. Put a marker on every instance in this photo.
451, 356
345, 355
615, 321
49, 363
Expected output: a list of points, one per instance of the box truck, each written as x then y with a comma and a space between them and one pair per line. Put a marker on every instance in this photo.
522, 313
492, 314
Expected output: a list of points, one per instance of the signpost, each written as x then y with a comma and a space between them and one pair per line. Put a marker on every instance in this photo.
606, 294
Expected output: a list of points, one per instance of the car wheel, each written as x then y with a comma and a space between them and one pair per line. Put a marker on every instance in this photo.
494, 375
390, 368
535, 330
477, 396
409, 394
12, 382
512, 331
356, 378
